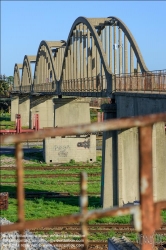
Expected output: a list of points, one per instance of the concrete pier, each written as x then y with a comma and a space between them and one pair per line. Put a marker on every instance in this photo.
14, 107
159, 161
71, 111
109, 192
24, 110
120, 158
42, 105
128, 165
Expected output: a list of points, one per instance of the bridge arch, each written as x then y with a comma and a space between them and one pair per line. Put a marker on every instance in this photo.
47, 67
98, 57
17, 81
96, 50
82, 32
27, 78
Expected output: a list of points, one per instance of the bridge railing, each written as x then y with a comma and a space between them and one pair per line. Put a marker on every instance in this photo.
87, 84
154, 81
45, 87
26, 88
16, 88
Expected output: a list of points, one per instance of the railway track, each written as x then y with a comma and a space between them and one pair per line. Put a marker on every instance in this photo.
4, 176
50, 195
102, 245
51, 168
97, 228
59, 182
119, 229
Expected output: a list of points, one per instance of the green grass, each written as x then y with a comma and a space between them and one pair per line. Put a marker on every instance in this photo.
52, 207
5, 117
5, 122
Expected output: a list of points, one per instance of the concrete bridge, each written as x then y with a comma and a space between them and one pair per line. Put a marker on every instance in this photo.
100, 58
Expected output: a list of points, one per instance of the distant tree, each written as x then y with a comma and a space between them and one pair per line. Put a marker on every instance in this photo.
10, 80
6, 84
5, 87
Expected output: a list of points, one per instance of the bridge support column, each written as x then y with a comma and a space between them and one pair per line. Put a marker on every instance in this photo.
14, 107
42, 105
128, 166
159, 161
24, 109
71, 111
109, 192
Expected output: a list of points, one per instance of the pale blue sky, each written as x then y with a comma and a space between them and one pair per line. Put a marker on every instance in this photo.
24, 24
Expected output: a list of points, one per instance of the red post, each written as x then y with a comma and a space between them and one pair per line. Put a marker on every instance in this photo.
18, 123
99, 116
36, 122
102, 116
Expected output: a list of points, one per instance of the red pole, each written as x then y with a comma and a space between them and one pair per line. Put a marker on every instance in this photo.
19, 123
99, 116
102, 116
37, 117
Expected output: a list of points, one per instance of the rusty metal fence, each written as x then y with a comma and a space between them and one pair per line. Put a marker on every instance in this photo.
154, 81
146, 216
150, 81
44, 87
86, 84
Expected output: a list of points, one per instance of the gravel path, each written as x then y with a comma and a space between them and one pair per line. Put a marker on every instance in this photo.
10, 241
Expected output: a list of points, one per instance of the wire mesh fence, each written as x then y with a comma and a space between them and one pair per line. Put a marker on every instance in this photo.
146, 216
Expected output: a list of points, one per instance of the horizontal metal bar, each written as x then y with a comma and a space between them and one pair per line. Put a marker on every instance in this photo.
113, 124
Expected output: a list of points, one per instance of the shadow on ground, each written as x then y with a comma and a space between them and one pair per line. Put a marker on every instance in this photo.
68, 200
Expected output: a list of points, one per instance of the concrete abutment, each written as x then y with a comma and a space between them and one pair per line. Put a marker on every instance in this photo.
64, 149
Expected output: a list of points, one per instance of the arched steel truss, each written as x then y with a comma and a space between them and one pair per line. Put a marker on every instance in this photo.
27, 79
17, 81
96, 50
48, 65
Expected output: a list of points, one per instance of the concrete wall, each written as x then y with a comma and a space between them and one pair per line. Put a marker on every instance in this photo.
71, 111
63, 149
14, 107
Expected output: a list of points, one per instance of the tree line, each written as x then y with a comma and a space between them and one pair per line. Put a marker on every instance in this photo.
6, 83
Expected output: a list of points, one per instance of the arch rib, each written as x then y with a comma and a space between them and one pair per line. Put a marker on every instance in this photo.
132, 41
17, 81
26, 70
